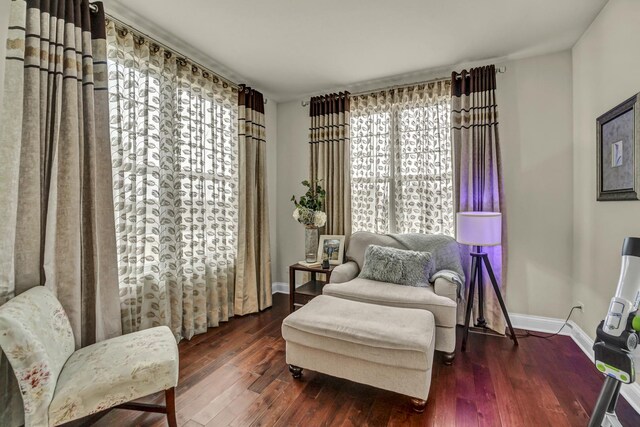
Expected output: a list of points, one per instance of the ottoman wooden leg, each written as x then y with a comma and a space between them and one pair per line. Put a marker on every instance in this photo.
448, 358
418, 405
296, 371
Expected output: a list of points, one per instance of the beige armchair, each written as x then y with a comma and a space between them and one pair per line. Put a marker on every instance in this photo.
59, 384
440, 298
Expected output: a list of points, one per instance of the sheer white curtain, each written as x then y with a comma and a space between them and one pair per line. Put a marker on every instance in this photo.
401, 164
175, 166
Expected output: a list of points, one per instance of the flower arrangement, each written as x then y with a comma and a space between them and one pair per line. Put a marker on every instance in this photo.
309, 208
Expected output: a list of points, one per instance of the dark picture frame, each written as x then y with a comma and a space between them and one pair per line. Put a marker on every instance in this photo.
618, 152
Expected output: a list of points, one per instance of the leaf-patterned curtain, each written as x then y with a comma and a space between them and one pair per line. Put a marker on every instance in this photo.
401, 160
57, 227
174, 141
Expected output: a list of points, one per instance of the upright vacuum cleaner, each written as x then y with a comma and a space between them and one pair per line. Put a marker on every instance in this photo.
617, 337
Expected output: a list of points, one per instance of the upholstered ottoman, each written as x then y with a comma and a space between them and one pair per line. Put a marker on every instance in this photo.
385, 347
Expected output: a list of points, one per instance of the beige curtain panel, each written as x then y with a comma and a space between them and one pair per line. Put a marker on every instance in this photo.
330, 157
174, 140
253, 276
55, 170
479, 187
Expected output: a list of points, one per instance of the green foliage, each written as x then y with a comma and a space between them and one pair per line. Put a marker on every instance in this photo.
313, 199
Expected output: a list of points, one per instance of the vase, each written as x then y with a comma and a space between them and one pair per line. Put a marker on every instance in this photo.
310, 244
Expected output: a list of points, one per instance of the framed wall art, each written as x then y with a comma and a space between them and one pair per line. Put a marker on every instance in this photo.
618, 149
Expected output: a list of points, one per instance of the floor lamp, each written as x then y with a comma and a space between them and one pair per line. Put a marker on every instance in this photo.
480, 229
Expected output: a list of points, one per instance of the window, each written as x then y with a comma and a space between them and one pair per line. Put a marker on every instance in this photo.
174, 146
401, 162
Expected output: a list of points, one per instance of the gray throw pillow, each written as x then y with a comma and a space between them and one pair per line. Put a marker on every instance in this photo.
402, 267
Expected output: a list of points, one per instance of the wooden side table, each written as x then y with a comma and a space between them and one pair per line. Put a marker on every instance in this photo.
305, 293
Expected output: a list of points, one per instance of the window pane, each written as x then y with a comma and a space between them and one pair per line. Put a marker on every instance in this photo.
370, 171
423, 170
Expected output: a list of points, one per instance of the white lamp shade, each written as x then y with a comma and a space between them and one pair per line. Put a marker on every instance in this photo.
479, 228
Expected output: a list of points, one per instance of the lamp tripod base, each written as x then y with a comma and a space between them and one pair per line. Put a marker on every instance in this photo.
477, 260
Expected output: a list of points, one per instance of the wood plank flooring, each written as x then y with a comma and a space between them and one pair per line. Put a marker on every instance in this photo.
236, 375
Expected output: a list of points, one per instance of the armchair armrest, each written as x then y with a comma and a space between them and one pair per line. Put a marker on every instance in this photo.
345, 272
446, 288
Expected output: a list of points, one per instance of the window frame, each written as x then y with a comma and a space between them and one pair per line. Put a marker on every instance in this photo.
395, 176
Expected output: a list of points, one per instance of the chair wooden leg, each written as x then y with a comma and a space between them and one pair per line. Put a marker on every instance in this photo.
418, 405
296, 371
170, 400
448, 358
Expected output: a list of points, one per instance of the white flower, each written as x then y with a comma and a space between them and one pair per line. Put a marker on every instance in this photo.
310, 218
319, 219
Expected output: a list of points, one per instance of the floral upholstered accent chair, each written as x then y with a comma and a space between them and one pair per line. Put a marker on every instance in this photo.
59, 384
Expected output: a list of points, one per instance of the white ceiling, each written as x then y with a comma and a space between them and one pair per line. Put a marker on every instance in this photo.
291, 48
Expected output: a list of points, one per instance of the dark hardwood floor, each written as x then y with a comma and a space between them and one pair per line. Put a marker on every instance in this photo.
236, 375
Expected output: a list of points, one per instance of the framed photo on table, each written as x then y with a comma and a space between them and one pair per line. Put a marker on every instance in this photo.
331, 246
618, 156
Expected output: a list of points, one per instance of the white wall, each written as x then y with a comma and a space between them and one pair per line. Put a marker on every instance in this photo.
534, 103
606, 71
534, 97
271, 128
293, 167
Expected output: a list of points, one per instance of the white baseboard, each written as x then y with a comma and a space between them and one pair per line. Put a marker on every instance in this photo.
581, 338
280, 288
631, 392
538, 323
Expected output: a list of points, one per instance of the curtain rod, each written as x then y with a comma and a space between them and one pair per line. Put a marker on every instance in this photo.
173, 51
499, 70
437, 79
167, 48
